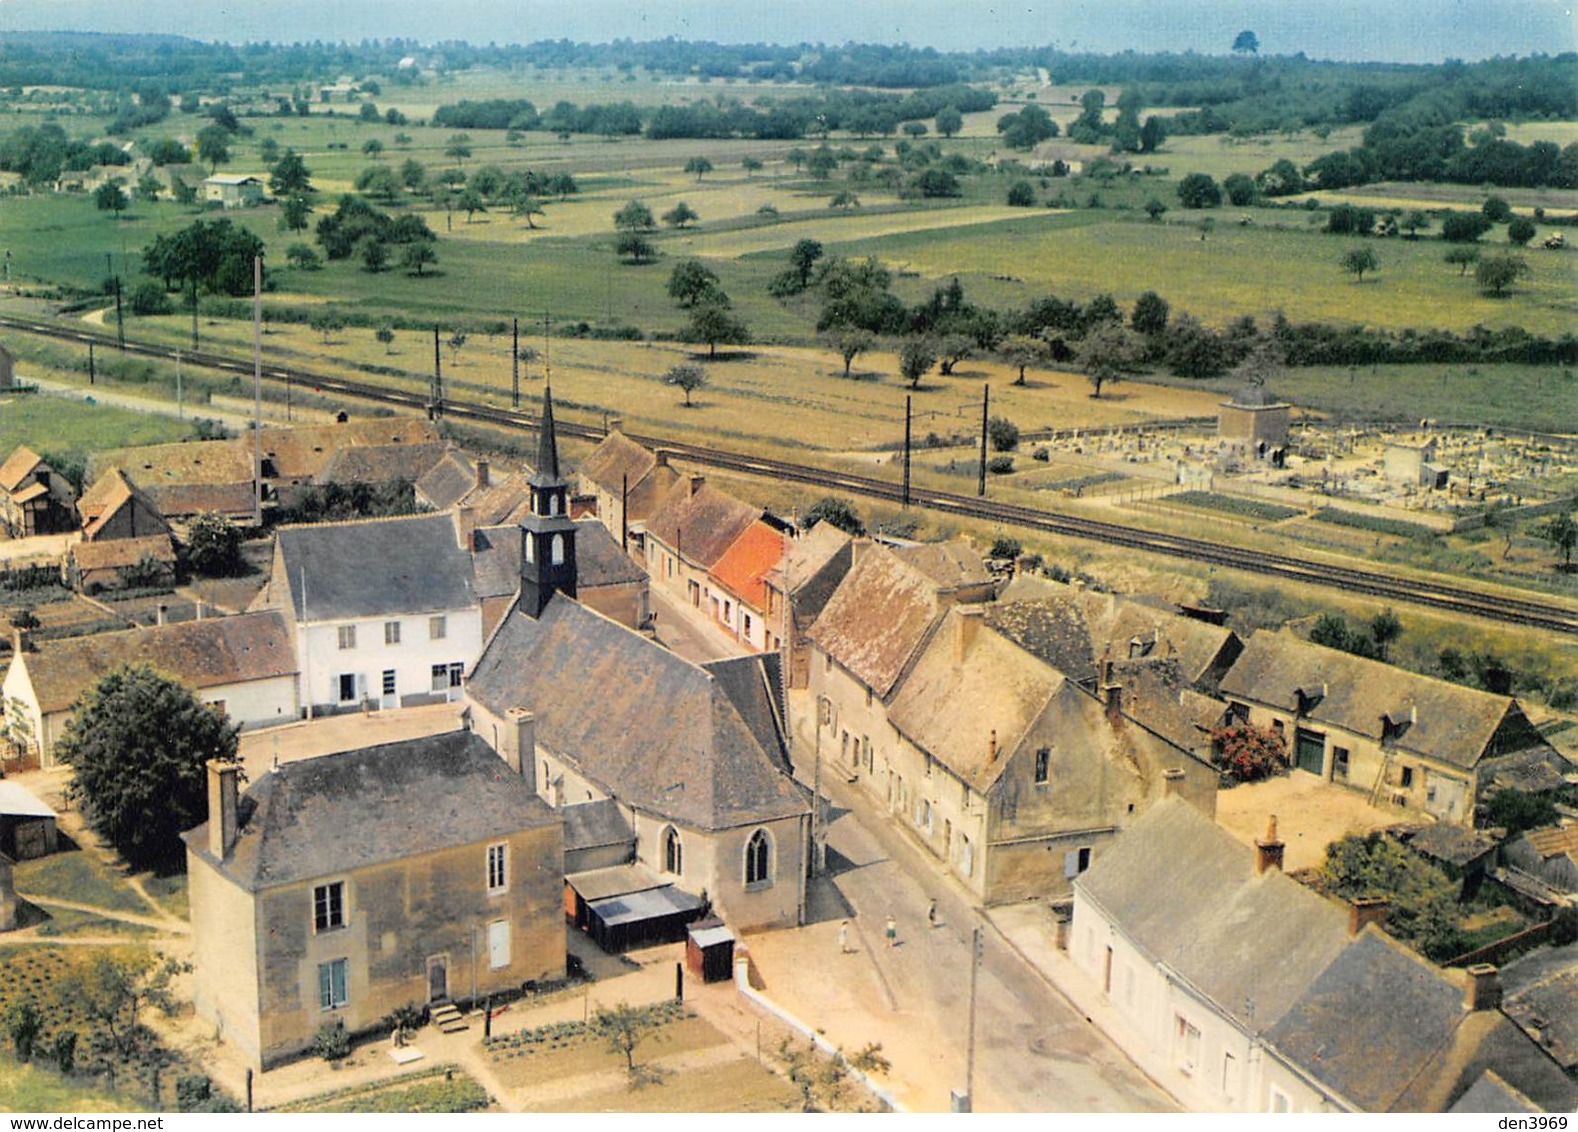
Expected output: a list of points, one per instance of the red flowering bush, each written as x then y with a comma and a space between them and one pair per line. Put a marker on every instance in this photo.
1246, 753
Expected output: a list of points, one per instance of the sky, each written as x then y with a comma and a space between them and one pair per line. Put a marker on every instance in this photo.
1410, 31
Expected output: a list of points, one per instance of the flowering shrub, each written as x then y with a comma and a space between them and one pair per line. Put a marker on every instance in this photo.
1246, 753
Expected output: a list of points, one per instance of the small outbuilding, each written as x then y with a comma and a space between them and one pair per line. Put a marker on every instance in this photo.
27, 825
233, 190
1256, 419
709, 950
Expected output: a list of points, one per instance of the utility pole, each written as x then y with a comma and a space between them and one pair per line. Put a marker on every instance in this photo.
986, 398
435, 408
817, 856
257, 389
120, 317
515, 363
906, 497
969, 1056
180, 403
93, 373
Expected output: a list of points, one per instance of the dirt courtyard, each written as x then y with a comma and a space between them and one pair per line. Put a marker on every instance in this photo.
1310, 815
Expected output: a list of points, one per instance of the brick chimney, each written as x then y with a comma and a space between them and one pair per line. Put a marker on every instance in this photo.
1483, 991
991, 746
223, 805
968, 622
465, 525
1112, 699
1367, 910
1172, 781
484, 474
1268, 849
520, 749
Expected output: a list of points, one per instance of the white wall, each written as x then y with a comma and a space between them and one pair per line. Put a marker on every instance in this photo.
412, 659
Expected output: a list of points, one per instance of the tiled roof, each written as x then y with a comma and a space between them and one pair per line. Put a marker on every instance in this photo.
595, 825
1450, 842
1554, 841
177, 499
877, 617
375, 567
598, 559
155, 466
109, 554
746, 563
335, 813
951, 565
1454, 724
616, 458
448, 481
17, 467
302, 453
506, 500
380, 463
1054, 630
649, 728
700, 522
109, 493
1185, 891
200, 654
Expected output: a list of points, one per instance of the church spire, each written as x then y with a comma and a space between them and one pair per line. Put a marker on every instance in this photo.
547, 532
547, 439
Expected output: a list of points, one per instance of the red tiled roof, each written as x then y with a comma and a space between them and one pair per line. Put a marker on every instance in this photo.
747, 561
17, 467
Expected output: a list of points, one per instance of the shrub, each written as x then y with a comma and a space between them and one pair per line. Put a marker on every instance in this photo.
1003, 433
1246, 753
1000, 465
148, 298
331, 1042
1004, 547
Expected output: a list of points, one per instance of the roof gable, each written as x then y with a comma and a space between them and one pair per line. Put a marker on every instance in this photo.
618, 462
877, 618
376, 567
17, 467
746, 563
699, 522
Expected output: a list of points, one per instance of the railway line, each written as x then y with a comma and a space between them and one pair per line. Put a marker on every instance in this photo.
1437, 595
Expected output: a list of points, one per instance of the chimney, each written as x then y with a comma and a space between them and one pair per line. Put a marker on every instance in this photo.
1484, 988
465, 525
223, 780
660, 457
158, 616
197, 607
1172, 781
1112, 699
969, 620
521, 748
1268, 850
484, 475
1366, 910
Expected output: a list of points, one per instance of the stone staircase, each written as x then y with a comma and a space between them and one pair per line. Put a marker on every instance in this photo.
447, 1017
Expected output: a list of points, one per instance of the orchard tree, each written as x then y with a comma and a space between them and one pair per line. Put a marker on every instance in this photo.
1106, 352
110, 197
293, 213
751, 165
681, 215
1150, 315
1463, 257
1356, 261
1154, 209
213, 146
385, 336
953, 349
1496, 273
1520, 230
1561, 532
635, 247
851, 342
916, 357
687, 377
949, 121
691, 281
290, 176
802, 258
711, 322
700, 166
139, 744
417, 255
634, 217
1022, 351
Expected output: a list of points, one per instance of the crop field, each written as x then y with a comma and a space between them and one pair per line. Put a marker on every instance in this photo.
1221, 154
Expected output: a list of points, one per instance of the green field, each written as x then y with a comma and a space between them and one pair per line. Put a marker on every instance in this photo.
50, 424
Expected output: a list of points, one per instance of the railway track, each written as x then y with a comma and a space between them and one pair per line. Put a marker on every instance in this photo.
1437, 595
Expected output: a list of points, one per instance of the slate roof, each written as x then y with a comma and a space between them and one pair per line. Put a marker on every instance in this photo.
108, 494
1185, 892
380, 463
877, 618
17, 467
375, 567
1455, 724
1549, 1006
336, 813
700, 522
951, 565
754, 684
598, 559
595, 825
615, 458
1491, 1094
110, 554
745, 565
302, 453
1450, 842
448, 481
200, 654
649, 728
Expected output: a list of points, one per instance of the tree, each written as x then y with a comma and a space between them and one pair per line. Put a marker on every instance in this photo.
623, 1027
470, 202
1414, 221
1464, 227
687, 377
1246, 43
1562, 534
139, 745
1496, 210
375, 254
213, 547
110, 197
635, 247
802, 258
851, 343
417, 255
1422, 899
327, 321
751, 165
634, 217
379, 182
836, 513
293, 214
843, 199
1356, 261
213, 146
1385, 627
1520, 230
458, 148
1240, 189
1022, 351
711, 322
949, 121
1199, 190
149, 188
1154, 209
691, 281
1517, 811
413, 174
916, 357
456, 341
1105, 353
821, 163
1464, 257
1496, 273
25, 1025
1021, 194
373, 148
110, 990
680, 215
1247, 753
1150, 315
1027, 128
146, 297
700, 166
290, 176
1003, 433
953, 349
385, 336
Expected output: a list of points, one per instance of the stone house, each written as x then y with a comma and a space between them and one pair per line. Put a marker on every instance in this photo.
1240, 990
1408, 740
340, 887
34, 498
688, 533
799, 587
114, 508
737, 588
244, 666
385, 611
233, 190
628, 482
188, 478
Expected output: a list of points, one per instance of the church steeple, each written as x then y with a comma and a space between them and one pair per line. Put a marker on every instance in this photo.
548, 533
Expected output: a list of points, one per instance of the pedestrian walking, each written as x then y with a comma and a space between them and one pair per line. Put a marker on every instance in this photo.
892, 931
931, 913
843, 938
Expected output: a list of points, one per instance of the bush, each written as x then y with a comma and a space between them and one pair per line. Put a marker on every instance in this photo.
1000, 465
1464, 227
1021, 194
331, 1042
195, 1092
148, 298
1003, 433
1246, 753
1006, 548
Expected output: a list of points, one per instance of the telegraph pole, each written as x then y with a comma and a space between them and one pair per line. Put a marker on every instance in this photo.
986, 398
967, 1102
906, 496
437, 399
515, 363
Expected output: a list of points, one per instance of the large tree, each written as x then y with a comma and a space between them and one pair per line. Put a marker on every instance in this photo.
139, 744
1356, 261
916, 357
691, 281
213, 146
290, 176
1495, 273
1106, 352
634, 217
712, 323
1561, 531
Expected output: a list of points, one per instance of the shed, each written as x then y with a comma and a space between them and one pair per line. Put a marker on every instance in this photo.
626, 906
27, 825
709, 950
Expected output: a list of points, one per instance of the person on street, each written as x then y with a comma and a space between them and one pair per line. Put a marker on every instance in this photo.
892, 932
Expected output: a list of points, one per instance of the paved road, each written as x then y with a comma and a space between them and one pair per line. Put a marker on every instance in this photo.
687, 632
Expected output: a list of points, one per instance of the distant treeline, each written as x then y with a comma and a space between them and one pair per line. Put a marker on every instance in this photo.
860, 112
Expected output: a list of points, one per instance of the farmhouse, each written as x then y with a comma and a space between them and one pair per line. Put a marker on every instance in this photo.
34, 498
628, 482
687, 535
811, 568
341, 887
1242, 991
114, 508
186, 479
233, 190
1413, 741
244, 666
